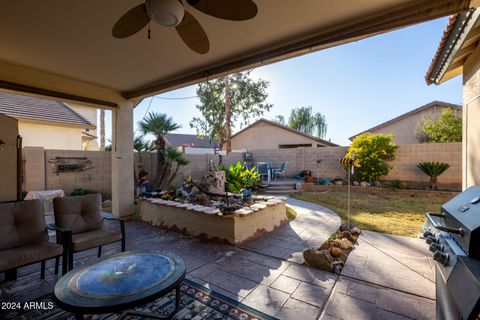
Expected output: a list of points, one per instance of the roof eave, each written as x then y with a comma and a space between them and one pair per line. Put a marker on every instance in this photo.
464, 23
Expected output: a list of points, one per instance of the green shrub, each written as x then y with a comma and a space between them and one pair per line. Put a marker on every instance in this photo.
372, 151
433, 170
240, 178
446, 128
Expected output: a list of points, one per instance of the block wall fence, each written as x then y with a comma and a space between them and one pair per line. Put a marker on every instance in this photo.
39, 173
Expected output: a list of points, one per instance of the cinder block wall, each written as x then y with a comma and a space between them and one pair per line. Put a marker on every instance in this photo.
39, 173
98, 178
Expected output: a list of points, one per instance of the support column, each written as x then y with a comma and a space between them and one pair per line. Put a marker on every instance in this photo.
122, 160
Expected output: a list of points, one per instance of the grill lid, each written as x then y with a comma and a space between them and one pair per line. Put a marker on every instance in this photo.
463, 212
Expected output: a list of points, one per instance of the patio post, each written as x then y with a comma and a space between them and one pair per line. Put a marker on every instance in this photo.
122, 160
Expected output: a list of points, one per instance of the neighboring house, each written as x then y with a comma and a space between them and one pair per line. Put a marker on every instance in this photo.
458, 53
51, 124
265, 134
404, 126
191, 144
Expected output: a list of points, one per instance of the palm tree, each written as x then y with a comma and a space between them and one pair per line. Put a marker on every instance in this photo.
175, 156
159, 125
433, 170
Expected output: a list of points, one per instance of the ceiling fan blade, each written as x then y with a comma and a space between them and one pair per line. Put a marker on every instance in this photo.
131, 22
193, 34
236, 10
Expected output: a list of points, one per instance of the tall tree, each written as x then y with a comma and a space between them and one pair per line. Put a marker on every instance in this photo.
279, 119
159, 125
305, 120
445, 128
246, 101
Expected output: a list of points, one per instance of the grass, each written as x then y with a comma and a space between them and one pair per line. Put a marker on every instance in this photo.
401, 215
291, 214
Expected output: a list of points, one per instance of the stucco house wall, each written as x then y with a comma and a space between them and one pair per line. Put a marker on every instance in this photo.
404, 130
404, 127
471, 120
50, 136
263, 135
90, 114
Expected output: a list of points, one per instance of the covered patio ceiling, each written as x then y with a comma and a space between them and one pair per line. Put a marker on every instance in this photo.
65, 49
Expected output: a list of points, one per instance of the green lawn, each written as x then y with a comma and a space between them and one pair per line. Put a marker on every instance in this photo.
394, 214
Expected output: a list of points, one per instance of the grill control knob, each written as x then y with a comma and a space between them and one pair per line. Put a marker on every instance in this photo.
441, 257
431, 239
435, 247
427, 234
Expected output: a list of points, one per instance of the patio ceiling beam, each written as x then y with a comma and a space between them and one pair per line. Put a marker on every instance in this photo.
54, 94
403, 16
30, 81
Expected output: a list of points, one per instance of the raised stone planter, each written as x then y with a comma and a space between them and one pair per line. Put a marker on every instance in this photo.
245, 224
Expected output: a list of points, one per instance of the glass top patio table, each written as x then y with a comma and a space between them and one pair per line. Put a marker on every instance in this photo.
119, 282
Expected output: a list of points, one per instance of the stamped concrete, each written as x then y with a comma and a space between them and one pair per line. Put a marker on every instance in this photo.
267, 273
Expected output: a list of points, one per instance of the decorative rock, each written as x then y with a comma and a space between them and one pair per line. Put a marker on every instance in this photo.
335, 252
254, 208
365, 184
347, 235
356, 183
337, 266
172, 203
202, 199
346, 244
338, 182
211, 210
377, 183
259, 206
200, 208
337, 243
243, 211
356, 231
318, 259
282, 198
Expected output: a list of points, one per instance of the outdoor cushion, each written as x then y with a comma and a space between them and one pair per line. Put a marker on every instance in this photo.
92, 239
17, 257
80, 213
22, 223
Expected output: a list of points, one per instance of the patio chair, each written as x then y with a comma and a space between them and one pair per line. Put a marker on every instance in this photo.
281, 171
24, 238
262, 168
82, 215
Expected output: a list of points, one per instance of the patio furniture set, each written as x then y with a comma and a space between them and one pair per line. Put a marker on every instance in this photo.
268, 171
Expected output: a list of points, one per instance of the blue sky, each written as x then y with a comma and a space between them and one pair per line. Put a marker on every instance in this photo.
356, 86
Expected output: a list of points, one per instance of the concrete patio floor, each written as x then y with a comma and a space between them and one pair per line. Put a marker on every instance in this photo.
267, 274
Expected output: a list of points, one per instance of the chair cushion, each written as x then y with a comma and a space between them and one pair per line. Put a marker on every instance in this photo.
80, 213
93, 239
22, 223
21, 256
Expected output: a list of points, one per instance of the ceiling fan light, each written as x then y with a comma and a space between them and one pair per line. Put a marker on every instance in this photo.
168, 13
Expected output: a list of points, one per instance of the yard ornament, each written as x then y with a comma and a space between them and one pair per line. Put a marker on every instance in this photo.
352, 164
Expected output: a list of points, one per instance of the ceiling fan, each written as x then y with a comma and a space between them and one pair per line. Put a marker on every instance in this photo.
172, 13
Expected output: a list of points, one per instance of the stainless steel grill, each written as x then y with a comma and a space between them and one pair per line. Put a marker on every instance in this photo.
453, 236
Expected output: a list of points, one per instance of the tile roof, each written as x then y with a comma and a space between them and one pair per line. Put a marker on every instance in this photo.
441, 46
320, 140
417, 110
31, 108
189, 140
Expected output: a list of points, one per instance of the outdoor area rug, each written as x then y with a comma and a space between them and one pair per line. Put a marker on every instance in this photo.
197, 302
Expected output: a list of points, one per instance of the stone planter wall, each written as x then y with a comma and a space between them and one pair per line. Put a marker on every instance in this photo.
234, 228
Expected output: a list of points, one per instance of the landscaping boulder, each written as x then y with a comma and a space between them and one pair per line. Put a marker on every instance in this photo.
320, 259
346, 234
346, 244
335, 252
365, 184
356, 231
356, 183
